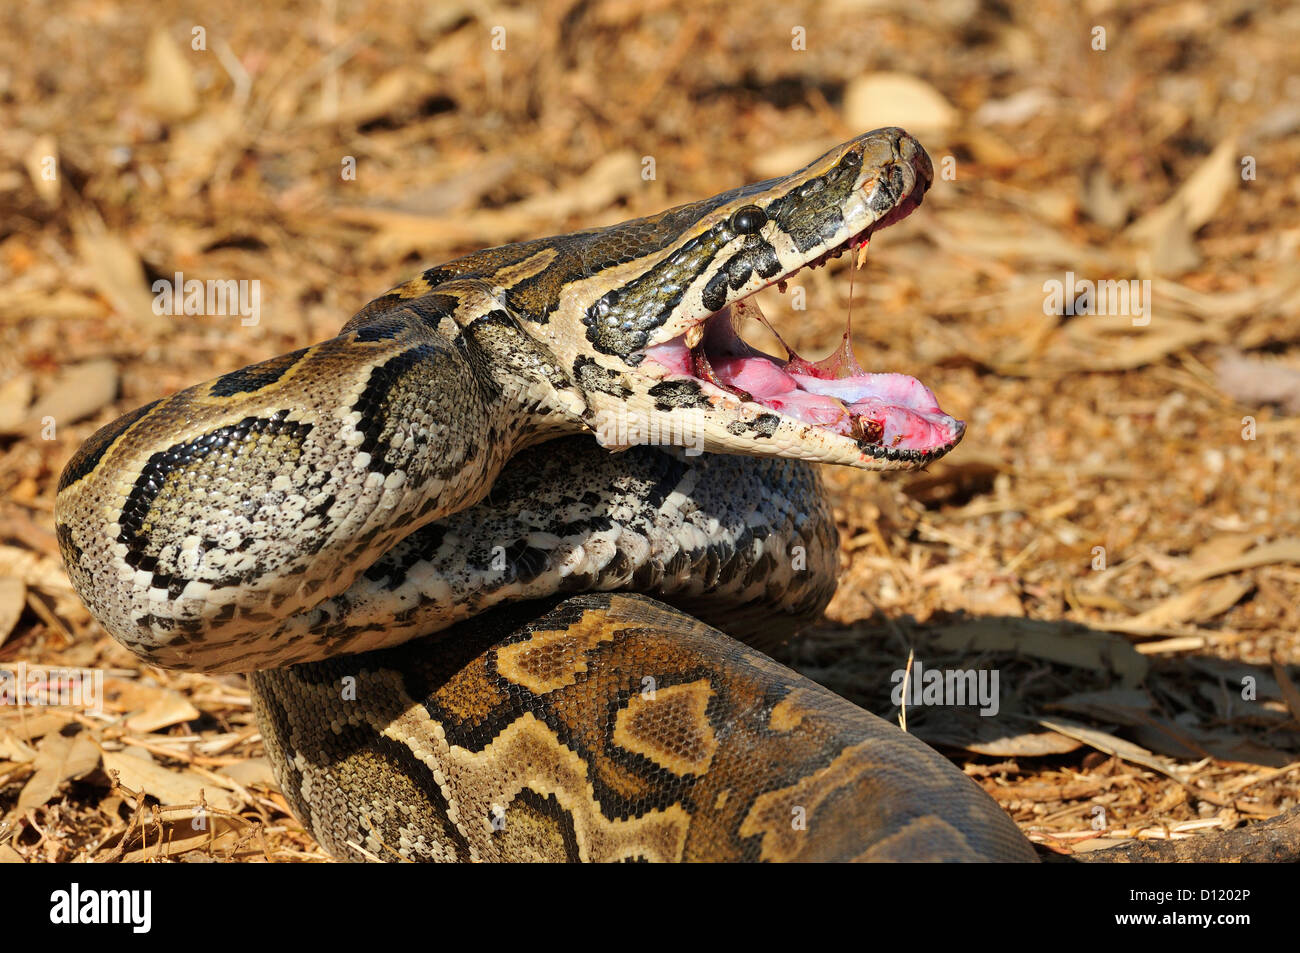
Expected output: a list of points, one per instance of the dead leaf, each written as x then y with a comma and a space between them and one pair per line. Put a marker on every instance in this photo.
1197, 605
117, 272
1108, 744
779, 161
1056, 642
897, 99
1167, 232
1266, 554
179, 836
58, 759
1254, 382
15, 397
170, 708
167, 785
612, 177
1104, 202
986, 736
79, 391
13, 599
1290, 693
254, 772
169, 80
1015, 109
12, 748
26, 726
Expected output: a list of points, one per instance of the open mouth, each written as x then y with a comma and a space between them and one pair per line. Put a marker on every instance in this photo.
889, 416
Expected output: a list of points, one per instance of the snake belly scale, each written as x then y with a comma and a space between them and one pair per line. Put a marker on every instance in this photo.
481, 615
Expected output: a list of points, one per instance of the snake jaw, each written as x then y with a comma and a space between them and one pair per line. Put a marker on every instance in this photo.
887, 417
832, 410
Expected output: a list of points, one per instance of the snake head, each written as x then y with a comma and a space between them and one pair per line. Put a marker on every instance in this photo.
659, 358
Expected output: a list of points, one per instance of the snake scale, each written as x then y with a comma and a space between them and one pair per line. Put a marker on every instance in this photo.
472, 631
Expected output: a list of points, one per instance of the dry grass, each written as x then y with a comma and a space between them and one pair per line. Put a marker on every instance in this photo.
1085, 431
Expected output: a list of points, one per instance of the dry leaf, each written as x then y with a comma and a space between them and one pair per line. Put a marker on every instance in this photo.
1290, 693
1167, 232
769, 164
254, 772
1015, 109
179, 837
170, 708
611, 178
1109, 744
987, 736
79, 391
169, 83
1255, 383
1267, 554
118, 274
13, 598
1197, 605
58, 759
1056, 642
15, 397
897, 99
12, 748
37, 571
167, 785
25, 726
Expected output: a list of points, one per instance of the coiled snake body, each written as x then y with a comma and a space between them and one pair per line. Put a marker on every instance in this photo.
367, 525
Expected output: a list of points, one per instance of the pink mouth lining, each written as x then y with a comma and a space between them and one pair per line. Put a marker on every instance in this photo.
890, 415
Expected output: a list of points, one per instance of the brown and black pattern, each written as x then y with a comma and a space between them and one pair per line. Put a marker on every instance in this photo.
611, 728
385, 507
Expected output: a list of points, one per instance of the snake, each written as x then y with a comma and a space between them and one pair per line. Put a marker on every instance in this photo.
502, 560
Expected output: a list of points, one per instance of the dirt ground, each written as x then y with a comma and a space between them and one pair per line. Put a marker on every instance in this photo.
1118, 537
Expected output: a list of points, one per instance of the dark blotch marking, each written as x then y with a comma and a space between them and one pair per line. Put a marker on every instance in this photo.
432, 308
591, 376
670, 395
373, 404
92, 451
246, 380
135, 511
527, 562
381, 329
764, 425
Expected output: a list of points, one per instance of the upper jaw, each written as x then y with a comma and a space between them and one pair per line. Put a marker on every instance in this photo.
894, 174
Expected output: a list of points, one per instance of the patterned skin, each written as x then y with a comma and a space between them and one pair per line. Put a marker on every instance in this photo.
335, 508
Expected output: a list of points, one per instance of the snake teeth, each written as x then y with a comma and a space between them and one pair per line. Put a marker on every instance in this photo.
694, 336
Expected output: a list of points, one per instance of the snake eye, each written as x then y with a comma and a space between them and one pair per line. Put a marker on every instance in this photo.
748, 219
